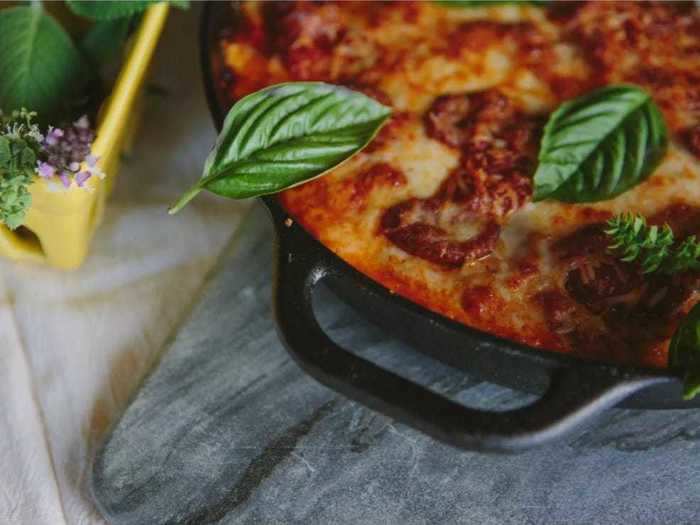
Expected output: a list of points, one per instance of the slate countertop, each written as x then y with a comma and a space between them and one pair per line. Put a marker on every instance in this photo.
229, 430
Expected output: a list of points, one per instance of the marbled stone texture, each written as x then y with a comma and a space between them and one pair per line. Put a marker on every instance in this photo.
229, 430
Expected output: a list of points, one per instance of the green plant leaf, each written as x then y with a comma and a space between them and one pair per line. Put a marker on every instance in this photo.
19, 145
15, 198
5, 151
684, 352
600, 145
104, 39
17, 162
113, 9
39, 65
287, 134
107, 9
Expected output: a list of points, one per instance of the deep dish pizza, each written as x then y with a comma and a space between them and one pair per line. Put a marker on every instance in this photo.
439, 209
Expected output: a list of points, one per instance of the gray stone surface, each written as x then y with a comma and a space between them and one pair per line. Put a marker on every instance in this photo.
228, 429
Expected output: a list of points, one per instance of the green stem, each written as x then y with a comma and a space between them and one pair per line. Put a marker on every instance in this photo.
187, 197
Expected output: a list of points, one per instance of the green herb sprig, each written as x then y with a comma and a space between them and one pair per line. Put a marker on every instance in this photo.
19, 143
653, 246
656, 249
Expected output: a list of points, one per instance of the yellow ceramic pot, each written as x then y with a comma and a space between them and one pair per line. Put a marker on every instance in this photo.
60, 222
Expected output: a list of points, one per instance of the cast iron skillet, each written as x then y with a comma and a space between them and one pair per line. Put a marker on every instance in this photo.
572, 391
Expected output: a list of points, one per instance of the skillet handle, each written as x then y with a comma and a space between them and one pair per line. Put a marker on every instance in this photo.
574, 396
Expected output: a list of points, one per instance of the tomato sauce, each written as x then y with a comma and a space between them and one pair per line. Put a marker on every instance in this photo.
445, 245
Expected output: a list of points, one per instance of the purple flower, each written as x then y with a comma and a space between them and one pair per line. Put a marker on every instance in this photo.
53, 136
65, 150
81, 177
46, 170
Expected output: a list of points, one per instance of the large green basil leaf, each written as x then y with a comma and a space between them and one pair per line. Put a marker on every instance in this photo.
108, 9
600, 145
684, 352
104, 39
287, 134
39, 65
113, 9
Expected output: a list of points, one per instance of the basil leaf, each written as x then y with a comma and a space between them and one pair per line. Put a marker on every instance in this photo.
39, 65
600, 145
107, 9
104, 39
287, 134
684, 352
113, 9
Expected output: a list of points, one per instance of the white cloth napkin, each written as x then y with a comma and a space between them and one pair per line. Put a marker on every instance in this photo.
74, 346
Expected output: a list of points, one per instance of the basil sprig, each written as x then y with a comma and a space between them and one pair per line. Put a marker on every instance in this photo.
684, 352
600, 145
284, 135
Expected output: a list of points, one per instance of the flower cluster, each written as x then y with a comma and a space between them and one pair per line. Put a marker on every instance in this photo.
66, 154
19, 125
25, 153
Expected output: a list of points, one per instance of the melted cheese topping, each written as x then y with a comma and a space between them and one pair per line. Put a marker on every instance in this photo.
408, 55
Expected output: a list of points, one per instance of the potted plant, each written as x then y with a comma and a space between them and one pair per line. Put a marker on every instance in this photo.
56, 170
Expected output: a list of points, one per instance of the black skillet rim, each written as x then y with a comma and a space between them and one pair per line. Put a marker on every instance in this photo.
537, 357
